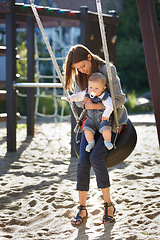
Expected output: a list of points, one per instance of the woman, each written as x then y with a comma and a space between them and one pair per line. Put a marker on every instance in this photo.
80, 64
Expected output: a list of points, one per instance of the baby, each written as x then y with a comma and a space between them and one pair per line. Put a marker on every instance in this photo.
97, 119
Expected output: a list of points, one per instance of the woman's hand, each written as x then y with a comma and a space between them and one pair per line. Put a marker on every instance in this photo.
90, 105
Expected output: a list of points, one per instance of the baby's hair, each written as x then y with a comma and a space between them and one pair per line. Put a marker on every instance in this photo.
98, 77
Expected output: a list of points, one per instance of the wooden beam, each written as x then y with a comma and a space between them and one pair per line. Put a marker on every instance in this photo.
83, 25
11, 77
2, 84
3, 94
5, 7
151, 43
2, 50
30, 76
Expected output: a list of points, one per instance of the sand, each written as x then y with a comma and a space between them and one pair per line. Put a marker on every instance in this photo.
38, 196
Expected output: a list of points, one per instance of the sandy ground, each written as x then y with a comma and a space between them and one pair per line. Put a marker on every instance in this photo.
38, 196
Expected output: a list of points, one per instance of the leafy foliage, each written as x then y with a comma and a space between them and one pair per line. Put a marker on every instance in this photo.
131, 66
130, 54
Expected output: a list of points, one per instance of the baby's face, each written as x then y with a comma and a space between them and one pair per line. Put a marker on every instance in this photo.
96, 87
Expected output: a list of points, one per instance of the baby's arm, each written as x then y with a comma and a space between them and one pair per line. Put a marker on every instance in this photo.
108, 108
76, 97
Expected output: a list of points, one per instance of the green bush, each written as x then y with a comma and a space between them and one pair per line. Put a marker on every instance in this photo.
2, 106
47, 103
130, 53
131, 66
133, 107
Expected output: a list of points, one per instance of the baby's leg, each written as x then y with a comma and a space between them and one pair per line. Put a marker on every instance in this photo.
107, 135
107, 139
90, 139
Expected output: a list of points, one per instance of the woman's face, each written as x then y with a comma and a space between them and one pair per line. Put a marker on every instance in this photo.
84, 66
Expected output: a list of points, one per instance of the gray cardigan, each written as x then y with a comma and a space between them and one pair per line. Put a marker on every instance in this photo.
119, 96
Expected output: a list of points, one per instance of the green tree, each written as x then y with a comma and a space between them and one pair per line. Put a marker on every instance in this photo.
130, 53
157, 6
131, 66
22, 63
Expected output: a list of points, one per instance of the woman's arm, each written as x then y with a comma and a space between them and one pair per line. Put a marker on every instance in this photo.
119, 95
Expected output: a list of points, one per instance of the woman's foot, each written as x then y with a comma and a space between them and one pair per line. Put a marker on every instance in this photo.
78, 219
109, 211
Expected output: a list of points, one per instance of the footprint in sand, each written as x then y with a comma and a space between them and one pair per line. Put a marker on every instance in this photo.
96, 212
45, 207
49, 200
14, 221
153, 215
150, 196
16, 167
32, 203
7, 236
3, 184
51, 193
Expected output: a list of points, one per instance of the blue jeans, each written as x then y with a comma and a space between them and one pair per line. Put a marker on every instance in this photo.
96, 159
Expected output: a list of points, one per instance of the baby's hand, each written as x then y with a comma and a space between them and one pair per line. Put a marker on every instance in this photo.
105, 118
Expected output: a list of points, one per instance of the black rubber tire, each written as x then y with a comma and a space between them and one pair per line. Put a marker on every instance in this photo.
125, 144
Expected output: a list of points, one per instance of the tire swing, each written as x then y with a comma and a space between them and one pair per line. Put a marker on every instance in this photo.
125, 144
125, 139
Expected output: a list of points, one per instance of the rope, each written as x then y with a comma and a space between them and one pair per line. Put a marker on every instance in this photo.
106, 55
51, 54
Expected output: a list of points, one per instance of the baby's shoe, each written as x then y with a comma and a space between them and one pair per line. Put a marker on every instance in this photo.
90, 145
108, 145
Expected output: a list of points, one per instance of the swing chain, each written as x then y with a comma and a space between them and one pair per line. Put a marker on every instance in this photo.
106, 55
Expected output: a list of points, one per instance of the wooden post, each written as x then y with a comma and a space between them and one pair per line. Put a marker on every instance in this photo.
83, 25
11, 77
30, 75
151, 43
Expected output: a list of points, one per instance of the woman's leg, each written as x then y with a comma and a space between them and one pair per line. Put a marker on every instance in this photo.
84, 166
83, 213
106, 195
83, 177
82, 201
97, 159
107, 198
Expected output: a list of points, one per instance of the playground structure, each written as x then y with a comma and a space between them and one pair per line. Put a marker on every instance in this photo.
151, 42
20, 15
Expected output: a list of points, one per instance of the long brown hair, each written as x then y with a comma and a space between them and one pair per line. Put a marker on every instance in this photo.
77, 54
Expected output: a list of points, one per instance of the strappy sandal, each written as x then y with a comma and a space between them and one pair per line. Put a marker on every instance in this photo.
77, 220
106, 217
